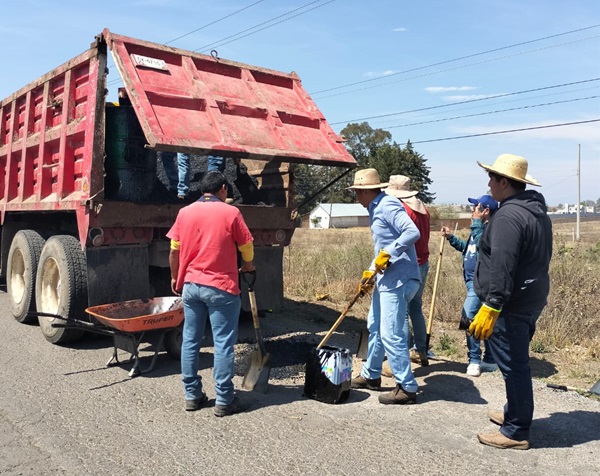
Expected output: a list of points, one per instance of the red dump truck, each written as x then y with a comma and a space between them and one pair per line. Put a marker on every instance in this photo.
83, 206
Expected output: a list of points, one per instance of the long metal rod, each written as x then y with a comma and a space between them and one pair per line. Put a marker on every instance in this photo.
315, 195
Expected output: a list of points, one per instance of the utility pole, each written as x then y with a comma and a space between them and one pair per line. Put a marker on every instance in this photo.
578, 192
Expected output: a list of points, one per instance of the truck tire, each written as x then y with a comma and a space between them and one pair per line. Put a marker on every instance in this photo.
23, 259
61, 287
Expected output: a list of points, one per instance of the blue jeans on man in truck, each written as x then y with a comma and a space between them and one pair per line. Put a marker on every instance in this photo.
177, 170
223, 310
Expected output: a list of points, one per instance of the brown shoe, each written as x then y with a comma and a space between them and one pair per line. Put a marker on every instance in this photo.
419, 358
496, 417
398, 396
386, 370
371, 384
498, 440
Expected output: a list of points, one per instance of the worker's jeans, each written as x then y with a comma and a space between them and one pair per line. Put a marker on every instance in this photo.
415, 312
509, 344
178, 172
387, 334
223, 310
470, 308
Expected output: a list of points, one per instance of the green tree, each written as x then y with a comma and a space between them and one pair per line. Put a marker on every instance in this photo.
362, 141
371, 148
375, 148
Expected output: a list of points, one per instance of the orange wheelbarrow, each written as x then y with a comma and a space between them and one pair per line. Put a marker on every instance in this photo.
132, 322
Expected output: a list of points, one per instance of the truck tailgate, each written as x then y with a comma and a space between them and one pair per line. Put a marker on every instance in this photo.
201, 104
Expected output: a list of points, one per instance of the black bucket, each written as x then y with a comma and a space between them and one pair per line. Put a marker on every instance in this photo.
328, 375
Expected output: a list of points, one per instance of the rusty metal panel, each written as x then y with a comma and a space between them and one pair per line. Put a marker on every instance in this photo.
202, 104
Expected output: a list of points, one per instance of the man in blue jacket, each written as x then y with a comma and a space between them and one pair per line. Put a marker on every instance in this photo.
397, 277
512, 282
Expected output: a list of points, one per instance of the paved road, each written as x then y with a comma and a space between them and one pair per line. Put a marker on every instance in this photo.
64, 413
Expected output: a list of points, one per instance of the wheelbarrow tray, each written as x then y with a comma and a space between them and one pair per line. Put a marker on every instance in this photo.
139, 315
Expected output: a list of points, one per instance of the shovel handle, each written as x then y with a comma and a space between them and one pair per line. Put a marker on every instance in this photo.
249, 278
435, 286
339, 320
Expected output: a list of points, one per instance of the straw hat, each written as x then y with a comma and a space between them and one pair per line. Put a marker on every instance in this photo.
512, 167
367, 179
399, 187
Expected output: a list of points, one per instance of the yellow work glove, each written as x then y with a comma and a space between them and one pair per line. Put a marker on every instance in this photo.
483, 322
382, 261
366, 282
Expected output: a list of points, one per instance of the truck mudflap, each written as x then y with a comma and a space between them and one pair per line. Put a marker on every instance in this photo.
191, 102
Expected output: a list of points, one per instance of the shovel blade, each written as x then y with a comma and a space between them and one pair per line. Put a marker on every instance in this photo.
257, 374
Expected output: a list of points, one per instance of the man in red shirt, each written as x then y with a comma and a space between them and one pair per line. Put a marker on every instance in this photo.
204, 270
399, 187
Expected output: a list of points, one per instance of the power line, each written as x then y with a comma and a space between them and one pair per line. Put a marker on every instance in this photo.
214, 22
457, 59
505, 132
236, 36
252, 30
492, 112
505, 102
489, 60
439, 106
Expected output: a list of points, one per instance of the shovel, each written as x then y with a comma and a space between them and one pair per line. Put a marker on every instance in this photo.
257, 375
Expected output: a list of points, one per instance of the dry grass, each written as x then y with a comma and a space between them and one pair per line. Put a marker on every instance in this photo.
329, 263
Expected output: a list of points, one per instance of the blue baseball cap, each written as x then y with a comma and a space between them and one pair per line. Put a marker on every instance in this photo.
486, 201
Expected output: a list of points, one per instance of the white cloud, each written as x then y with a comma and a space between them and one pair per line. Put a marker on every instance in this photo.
400, 29
375, 74
445, 89
467, 97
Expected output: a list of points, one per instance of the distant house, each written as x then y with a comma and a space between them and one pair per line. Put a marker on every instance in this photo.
568, 209
338, 215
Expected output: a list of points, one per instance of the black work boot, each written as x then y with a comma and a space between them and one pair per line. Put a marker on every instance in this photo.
371, 384
398, 396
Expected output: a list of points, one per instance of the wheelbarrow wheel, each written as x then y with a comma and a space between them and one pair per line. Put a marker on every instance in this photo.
61, 287
23, 259
173, 339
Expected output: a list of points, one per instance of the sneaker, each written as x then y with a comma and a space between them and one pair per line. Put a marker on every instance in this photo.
236, 406
181, 197
474, 370
419, 358
370, 384
496, 417
398, 396
486, 367
193, 405
498, 440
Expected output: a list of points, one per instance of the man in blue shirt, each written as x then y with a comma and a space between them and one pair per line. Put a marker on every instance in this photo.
397, 278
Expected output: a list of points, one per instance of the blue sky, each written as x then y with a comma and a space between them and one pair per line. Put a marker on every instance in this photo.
376, 61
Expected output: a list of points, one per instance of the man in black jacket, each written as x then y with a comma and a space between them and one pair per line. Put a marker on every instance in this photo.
511, 280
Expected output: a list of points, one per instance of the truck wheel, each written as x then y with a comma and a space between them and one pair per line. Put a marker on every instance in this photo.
23, 258
61, 287
173, 339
